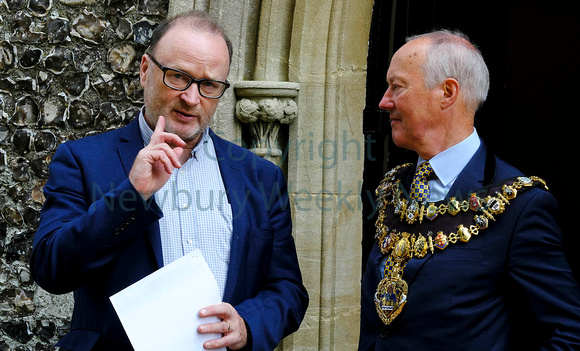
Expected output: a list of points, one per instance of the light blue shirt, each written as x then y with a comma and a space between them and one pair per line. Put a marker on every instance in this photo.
196, 212
448, 164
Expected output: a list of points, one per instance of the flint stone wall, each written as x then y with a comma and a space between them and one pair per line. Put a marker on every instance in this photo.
68, 68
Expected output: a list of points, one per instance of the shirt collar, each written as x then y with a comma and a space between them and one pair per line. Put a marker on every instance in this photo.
147, 132
448, 164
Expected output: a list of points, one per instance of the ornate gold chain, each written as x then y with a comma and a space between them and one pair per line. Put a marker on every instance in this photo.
402, 245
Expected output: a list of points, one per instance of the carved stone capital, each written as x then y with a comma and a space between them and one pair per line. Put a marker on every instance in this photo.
264, 106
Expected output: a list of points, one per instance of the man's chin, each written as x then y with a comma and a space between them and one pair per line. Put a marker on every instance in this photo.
398, 139
189, 136
189, 132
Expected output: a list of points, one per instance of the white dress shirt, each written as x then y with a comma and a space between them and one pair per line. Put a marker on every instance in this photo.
196, 212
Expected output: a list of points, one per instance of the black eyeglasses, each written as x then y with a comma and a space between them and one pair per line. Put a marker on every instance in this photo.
179, 80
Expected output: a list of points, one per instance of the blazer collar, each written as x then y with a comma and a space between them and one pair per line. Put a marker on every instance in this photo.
472, 177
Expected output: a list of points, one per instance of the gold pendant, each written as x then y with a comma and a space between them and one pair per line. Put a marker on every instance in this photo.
390, 298
412, 212
453, 206
463, 233
441, 241
432, 211
420, 247
392, 290
509, 192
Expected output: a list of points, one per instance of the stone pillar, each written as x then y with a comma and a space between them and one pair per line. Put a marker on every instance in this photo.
268, 100
328, 53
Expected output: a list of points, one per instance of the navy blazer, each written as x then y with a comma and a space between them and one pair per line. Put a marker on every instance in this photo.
470, 295
97, 236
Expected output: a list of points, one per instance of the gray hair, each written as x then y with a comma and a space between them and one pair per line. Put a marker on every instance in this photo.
452, 55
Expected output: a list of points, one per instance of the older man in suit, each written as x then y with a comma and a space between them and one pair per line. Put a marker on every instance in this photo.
122, 204
466, 244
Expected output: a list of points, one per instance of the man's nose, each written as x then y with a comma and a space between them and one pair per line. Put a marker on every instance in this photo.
191, 95
386, 102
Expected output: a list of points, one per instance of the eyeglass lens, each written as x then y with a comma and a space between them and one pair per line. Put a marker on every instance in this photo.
179, 80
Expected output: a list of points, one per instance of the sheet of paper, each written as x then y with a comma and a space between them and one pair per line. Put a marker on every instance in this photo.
161, 311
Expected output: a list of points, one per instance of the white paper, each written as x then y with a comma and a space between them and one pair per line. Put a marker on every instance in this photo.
161, 311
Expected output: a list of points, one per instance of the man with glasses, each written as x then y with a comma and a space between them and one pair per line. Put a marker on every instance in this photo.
122, 204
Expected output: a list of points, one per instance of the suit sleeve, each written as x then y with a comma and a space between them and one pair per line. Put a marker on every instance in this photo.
538, 266
280, 304
83, 222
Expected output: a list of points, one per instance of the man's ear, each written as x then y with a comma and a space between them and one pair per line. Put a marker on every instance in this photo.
143, 70
450, 92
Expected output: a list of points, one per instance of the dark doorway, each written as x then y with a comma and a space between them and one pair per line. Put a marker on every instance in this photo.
529, 119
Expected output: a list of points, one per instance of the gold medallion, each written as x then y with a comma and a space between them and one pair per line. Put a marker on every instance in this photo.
509, 192
463, 233
402, 248
453, 206
432, 211
390, 298
420, 247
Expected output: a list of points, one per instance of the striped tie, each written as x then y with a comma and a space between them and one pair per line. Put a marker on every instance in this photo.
420, 185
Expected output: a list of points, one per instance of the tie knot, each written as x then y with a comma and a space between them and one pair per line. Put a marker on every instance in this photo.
424, 170
420, 185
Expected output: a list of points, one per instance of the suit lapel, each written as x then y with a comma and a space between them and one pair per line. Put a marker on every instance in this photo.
234, 183
129, 146
470, 179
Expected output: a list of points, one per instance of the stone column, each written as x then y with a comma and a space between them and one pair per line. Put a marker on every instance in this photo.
268, 100
328, 53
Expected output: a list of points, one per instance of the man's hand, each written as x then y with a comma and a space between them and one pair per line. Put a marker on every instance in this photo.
232, 327
155, 163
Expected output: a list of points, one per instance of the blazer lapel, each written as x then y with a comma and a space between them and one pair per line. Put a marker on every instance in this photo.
472, 176
233, 177
129, 146
470, 179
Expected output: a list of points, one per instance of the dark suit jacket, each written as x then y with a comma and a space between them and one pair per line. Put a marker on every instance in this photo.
97, 236
470, 295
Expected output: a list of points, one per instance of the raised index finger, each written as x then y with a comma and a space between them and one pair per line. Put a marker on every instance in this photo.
160, 126
160, 136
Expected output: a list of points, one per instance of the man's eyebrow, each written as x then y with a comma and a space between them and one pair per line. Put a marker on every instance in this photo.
393, 78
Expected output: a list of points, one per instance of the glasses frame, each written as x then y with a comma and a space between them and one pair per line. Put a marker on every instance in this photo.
192, 79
